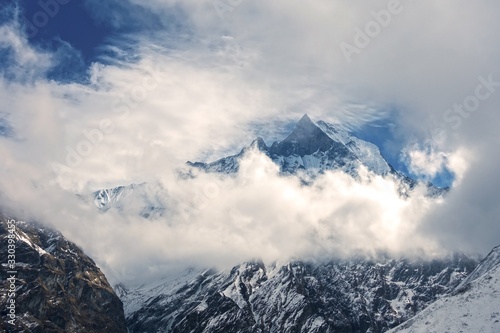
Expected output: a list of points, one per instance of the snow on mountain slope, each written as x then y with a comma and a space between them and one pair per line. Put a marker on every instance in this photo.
58, 287
145, 199
106, 198
491, 261
135, 299
368, 153
355, 295
311, 147
473, 307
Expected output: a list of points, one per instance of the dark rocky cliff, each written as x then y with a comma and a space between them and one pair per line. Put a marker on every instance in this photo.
58, 287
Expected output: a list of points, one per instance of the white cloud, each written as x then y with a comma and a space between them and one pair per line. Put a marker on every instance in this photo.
282, 60
427, 162
26, 63
222, 220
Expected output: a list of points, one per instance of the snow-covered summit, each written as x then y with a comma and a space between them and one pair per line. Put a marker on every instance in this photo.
306, 139
313, 147
310, 149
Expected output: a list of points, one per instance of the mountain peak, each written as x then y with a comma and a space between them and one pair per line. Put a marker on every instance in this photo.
305, 139
305, 129
259, 144
305, 122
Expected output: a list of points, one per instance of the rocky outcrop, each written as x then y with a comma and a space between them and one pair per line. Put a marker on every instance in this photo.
58, 288
349, 296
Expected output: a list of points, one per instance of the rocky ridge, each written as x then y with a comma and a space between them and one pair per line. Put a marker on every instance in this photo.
58, 288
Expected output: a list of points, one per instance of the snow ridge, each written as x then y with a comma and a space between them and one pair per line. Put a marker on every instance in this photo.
355, 295
473, 307
314, 147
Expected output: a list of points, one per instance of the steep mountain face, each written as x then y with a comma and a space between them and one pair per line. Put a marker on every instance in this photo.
313, 148
357, 295
145, 199
57, 287
473, 307
308, 147
367, 153
316, 147
106, 198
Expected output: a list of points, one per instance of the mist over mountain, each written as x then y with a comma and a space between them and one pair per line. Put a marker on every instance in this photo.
320, 172
343, 170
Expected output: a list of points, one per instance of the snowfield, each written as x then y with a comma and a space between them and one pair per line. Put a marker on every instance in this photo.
474, 307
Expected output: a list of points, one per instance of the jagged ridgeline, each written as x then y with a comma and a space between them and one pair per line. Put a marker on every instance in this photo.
60, 289
311, 147
356, 295
309, 150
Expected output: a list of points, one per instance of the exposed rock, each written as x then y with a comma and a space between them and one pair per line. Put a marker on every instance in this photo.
58, 287
356, 295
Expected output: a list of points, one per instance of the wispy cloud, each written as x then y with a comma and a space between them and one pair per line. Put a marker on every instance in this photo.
426, 162
263, 63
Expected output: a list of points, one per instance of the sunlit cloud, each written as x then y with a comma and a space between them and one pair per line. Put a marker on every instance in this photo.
427, 162
155, 101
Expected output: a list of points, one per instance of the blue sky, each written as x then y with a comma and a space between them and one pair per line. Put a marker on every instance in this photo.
84, 32
119, 92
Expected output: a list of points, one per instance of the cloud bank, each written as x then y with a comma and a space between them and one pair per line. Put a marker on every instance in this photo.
198, 93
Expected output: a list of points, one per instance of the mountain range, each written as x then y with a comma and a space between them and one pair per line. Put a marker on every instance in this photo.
313, 148
61, 289
355, 295
308, 151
